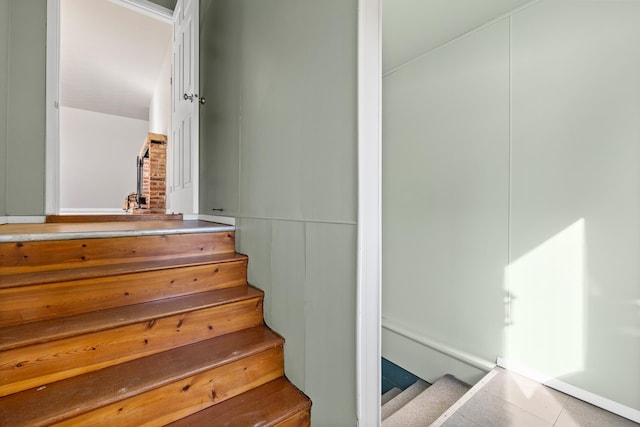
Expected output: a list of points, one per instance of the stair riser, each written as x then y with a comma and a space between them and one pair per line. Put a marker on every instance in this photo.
24, 257
174, 401
31, 303
36, 365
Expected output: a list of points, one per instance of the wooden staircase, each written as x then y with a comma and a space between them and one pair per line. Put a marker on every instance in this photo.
138, 330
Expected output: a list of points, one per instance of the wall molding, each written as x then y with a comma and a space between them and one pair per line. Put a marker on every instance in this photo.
566, 388
24, 219
148, 8
3, 220
92, 211
447, 350
311, 220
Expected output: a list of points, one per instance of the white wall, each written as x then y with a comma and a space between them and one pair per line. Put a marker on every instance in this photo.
97, 159
160, 106
511, 202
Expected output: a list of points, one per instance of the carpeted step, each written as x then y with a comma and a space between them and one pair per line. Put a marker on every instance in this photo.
403, 398
390, 395
425, 408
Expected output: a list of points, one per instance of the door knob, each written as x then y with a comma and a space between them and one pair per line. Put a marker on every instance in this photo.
203, 100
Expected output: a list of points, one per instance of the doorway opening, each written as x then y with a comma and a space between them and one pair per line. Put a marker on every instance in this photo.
114, 62
115, 88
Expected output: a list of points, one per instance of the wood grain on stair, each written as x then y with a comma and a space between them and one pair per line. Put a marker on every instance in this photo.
278, 401
135, 323
76, 396
174, 401
146, 329
42, 277
32, 256
38, 302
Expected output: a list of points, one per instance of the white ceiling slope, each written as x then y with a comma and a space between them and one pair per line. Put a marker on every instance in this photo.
411, 28
110, 57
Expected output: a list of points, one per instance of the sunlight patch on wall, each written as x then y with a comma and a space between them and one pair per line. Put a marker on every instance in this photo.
546, 314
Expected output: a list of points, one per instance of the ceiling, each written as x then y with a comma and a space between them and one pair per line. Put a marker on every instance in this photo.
411, 28
110, 57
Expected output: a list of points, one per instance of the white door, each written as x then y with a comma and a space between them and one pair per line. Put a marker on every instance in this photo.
183, 179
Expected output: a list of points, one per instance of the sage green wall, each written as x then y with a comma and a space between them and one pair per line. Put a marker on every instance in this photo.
575, 204
4, 68
280, 151
445, 199
220, 78
25, 108
511, 206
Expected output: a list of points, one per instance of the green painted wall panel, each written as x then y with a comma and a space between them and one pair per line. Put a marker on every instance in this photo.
298, 110
308, 273
253, 238
284, 73
571, 278
220, 72
575, 216
445, 193
4, 69
288, 259
26, 108
330, 297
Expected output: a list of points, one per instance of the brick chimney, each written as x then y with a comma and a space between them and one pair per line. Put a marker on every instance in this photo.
154, 174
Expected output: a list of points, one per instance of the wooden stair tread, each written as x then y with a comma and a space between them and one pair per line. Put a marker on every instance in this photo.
15, 336
74, 396
22, 257
52, 276
267, 405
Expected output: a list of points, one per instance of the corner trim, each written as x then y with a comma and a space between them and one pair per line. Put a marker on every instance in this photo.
52, 118
369, 240
577, 392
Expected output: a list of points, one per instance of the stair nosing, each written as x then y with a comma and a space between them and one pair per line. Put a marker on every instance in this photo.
106, 234
393, 392
407, 392
274, 340
220, 297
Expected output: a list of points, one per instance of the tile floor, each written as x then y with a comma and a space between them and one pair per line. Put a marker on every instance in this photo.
509, 399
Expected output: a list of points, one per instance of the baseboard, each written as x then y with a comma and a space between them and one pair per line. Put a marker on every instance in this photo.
3, 220
90, 211
428, 359
18, 219
228, 220
587, 396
